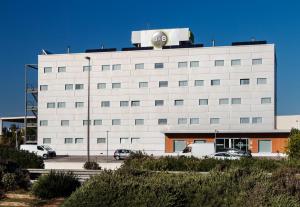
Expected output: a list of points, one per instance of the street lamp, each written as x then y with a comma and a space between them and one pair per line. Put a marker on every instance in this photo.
107, 146
88, 112
216, 131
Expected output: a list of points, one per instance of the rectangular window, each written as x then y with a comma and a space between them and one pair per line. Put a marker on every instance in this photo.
244, 120
68, 140
61, 69
43, 87
47, 69
116, 67
135, 140
79, 104
162, 121
105, 104
183, 83
123, 140
78, 140
215, 82
214, 120
265, 100
51, 105
139, 121
85, 122
101, 140
68, 87
261, 81
244, 81
162, 84
178, 102
264, 146
101, 85
139, 66
46, 140
116, 85
64, 122
158, 65
105, 67
219, 62
124, 103
194, 121
97, 122
257, 61
236, 62
43, 122
256, 120
199, 83
135, 103
182, 64
236, 101
116, 122
182, 121
61, 104
78, 86
203, 102
159, 102
179, 145
86, 68
199, 141
194, 64
143, 84
223, 101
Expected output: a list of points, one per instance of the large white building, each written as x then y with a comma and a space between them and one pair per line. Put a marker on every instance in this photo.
158, 95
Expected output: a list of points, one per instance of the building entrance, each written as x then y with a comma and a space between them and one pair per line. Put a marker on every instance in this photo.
236, 143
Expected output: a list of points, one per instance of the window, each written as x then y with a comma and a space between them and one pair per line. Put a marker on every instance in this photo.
79, 104
182, 121
50, 105
135, 140
159, 102
98, 122
182, 64
214, 120
244, 120
101, 140
116, 67
43, 122
178, 102
43, 87
158, 65
236, 101
162, 121
256, 120
194, 121
46, 140
139, 121
116, 122
68, 87
101, 85
203, 102
139, 66
105, 104
223, 101
87, 68
68, 140
179, 145
265, 100
61, 104
143, 84
264, 146
215, 82
64, 122
78, 86
183, 83
257, 61
199, 141
235, 62
219, 62
105, 67
85, 122
123, 140
199, 83
194, 64
244, 81
162, 84
47, 69
116, 85
135, 103
61, 69
124, 103
261, 81
78, 140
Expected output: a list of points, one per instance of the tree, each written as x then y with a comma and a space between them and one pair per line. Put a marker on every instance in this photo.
293, 147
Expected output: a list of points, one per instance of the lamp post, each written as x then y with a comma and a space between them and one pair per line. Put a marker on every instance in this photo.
216, 131
88, 112
107, 146
297, 124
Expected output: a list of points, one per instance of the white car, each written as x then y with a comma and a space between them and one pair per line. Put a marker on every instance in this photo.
223, 156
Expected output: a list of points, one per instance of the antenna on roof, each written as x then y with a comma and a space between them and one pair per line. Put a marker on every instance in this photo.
253, 39
102, 46
44, 52
213, 41
68, 49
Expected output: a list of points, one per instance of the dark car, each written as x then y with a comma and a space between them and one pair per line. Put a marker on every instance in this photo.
121, 154
237, 152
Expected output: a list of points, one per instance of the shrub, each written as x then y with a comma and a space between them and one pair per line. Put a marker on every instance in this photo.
91, 166
9, 181
293, 147
55, 184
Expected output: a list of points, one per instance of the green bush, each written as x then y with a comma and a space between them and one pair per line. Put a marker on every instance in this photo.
293, 147
9, 181
91, 166
55, 184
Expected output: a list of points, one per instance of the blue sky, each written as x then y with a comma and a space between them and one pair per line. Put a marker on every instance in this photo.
28, 26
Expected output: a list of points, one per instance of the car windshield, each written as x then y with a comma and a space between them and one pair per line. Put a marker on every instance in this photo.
47, 147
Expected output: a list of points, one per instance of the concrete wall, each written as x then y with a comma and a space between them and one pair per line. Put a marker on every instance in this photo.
288, 122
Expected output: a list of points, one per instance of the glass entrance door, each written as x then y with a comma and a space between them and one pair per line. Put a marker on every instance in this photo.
237, 143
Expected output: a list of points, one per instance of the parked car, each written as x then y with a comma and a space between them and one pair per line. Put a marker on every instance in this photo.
199, 150
121, 154
223, 156
41, 150
237, 152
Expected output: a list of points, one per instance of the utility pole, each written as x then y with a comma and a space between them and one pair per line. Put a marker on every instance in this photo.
107, 146
88, 112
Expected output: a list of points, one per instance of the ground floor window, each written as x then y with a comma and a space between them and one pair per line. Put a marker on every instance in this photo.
236, 143
264, 146
199, 141
179, 145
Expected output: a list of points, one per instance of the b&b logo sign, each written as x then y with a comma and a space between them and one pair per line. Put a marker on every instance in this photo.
159, 39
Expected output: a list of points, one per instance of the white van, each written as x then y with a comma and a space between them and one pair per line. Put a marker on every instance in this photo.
199, 150
40, 150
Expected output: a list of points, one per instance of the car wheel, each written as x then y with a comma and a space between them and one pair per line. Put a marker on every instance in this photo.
117, 157
45, 156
